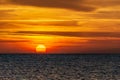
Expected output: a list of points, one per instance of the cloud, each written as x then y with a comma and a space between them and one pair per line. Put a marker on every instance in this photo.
7, 26
3, 25
49, 23
13, 41
5, 13
2, 14
71, 34
104, 3
77, 5
3, 1
107, 15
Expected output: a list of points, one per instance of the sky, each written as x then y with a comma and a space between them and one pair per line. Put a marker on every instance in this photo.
62, 26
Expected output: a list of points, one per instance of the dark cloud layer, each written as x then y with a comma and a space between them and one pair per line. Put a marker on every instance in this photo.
52, 23
103, 3
72, 34
13, 41
67, 4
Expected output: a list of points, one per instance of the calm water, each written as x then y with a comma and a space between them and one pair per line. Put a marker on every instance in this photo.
60, 67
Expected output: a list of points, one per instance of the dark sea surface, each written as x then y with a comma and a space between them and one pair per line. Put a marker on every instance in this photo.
59, 67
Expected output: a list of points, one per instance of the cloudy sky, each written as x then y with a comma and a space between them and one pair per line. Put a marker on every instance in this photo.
63, 26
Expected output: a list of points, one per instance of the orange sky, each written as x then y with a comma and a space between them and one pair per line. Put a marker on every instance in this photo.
81, 26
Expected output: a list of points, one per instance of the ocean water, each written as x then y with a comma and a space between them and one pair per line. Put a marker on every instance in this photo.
59, 67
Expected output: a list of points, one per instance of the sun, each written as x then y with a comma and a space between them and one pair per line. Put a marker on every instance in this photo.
41, 48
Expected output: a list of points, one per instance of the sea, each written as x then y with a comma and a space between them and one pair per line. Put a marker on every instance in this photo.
59, 66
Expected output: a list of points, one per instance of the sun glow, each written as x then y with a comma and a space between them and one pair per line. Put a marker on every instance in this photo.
41, 48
